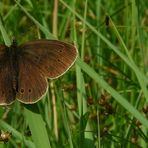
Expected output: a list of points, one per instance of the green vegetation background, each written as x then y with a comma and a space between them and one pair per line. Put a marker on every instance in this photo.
103, 100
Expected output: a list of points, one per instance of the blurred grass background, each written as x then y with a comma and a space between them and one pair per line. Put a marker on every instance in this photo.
103, 100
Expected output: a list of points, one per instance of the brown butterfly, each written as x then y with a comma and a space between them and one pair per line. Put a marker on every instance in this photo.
24, 69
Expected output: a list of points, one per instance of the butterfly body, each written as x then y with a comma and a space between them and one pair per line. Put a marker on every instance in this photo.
24, 69
12, 56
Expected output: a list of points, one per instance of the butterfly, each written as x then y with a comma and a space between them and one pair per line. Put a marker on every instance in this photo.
24, 69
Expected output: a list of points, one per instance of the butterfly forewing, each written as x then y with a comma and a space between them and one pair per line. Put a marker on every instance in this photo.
52, 57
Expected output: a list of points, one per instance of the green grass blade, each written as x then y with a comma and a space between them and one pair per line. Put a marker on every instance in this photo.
4, 34
44, 29
37, 127
16, 134
114, 48
113, 92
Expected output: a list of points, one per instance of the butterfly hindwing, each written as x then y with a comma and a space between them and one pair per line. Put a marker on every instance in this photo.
31, 84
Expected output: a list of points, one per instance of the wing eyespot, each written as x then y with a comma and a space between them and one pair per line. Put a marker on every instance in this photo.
22, 90
29, 90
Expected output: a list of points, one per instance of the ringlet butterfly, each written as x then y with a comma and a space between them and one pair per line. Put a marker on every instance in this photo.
24, 69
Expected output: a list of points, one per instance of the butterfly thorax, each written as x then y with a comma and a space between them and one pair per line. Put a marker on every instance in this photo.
12, 50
